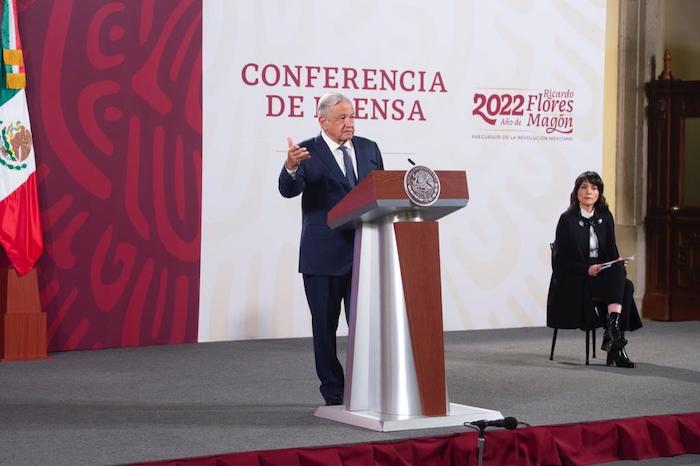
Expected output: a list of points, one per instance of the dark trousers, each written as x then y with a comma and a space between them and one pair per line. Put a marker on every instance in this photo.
324, 295
611, 285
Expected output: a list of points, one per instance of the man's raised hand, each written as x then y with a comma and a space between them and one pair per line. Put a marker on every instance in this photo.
295, 155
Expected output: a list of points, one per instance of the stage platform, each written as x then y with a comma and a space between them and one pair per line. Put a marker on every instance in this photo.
119, 406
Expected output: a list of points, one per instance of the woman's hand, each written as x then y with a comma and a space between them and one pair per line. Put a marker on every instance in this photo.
594, 270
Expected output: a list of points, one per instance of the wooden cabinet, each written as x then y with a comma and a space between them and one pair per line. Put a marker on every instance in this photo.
673, 204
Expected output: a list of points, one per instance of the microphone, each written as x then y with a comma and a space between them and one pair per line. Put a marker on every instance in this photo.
509, 423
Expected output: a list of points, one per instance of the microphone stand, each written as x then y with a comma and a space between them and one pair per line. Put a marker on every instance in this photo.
480, 446
508, 423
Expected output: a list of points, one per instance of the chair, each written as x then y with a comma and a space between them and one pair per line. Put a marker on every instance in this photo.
588, 341
600, 310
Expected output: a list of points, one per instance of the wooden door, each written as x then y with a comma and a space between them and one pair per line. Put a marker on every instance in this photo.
673, 201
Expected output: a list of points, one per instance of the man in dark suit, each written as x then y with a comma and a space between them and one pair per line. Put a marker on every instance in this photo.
323, 170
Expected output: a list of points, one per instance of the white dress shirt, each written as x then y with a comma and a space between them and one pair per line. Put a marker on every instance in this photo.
593, 238
338, 154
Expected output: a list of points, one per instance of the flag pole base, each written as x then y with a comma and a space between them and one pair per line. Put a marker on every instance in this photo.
22, 322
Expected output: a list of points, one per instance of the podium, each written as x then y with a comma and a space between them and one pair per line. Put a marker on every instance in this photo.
395, 370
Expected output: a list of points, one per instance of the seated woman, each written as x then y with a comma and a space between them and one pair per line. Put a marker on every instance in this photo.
585, 239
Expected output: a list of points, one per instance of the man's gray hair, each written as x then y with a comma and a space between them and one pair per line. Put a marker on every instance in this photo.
330, 100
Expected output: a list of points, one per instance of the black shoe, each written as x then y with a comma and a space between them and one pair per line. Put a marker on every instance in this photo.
623, 360
605, 346
334, 400
620, 359
614, 337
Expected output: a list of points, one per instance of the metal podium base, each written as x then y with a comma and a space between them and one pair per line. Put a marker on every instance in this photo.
457, 415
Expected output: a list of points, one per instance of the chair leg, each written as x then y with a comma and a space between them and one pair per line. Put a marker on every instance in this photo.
588, 333
554, 342
594, 330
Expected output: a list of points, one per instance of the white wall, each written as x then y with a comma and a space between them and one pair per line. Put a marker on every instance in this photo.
495, 253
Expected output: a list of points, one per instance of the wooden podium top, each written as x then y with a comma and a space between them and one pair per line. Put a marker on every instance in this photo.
382, 193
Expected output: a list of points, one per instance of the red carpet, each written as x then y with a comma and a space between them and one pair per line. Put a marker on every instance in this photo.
566, 444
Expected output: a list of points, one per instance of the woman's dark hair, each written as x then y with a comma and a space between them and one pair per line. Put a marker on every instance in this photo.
595, 179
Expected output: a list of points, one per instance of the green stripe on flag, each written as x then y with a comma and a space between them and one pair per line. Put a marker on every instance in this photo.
5, 93
6, 23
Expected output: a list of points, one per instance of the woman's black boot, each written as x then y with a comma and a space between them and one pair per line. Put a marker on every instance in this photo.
611, 358
617, 342
623, 360
619, 358
614, 337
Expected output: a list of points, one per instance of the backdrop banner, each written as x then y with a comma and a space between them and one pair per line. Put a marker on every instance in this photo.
510, 92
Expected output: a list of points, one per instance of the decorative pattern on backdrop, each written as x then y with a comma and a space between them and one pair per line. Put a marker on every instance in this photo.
114, 90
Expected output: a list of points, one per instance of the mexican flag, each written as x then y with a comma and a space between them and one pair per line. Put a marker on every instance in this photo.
20, 227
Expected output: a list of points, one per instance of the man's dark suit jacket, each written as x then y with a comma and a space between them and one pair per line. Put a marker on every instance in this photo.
324, 251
